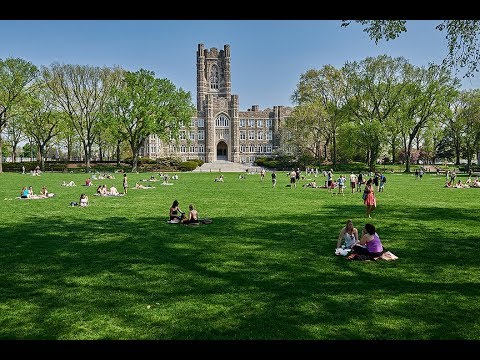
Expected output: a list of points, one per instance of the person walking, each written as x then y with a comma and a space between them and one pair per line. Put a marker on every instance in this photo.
274, 179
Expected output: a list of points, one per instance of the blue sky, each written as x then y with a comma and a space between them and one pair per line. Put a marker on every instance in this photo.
267, 56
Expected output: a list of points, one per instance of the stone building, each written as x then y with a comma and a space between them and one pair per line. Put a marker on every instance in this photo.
220, 131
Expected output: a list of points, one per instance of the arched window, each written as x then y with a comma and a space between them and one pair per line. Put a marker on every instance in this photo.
214, 77
222, 121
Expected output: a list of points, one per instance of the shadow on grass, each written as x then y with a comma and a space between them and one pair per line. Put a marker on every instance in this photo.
142, 278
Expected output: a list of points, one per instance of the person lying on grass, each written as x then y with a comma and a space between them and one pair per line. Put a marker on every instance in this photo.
140, 186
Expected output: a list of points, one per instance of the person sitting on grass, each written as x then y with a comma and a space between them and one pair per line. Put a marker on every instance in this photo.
83, 200
192, 217
219, 179
45, 194
370, 246
113, 191
175, 212
25, 193
348, 236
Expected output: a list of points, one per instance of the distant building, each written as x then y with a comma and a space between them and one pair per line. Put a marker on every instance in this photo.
220, 131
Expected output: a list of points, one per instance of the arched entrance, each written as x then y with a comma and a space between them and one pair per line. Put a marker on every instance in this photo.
222, 151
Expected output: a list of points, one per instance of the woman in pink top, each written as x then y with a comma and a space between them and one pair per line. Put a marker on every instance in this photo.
370, 246
369, 197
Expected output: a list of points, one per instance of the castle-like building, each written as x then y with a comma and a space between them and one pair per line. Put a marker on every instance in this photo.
220, 131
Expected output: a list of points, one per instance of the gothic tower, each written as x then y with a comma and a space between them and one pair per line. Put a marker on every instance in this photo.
216, 104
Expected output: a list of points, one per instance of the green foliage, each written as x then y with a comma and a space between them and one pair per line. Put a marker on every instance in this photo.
199, 162
462, 39
188, 165
144, 105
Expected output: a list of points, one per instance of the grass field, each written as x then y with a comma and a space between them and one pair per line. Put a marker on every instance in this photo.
264, 269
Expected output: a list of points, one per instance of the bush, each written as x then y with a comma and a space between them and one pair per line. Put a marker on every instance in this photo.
200, 162
188, 166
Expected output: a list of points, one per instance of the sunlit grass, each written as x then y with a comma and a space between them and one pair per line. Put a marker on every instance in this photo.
264, 269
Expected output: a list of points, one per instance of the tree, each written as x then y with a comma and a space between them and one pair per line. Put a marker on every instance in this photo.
326, 86
428, 94
307, 127
143, 105
373, 95
16, 76
81, 92
470, 120
462, 39
42, 123
14, 131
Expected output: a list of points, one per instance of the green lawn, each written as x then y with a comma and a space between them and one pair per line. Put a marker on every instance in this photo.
264, 269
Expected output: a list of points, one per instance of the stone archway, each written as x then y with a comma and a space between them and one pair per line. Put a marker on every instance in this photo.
222, 151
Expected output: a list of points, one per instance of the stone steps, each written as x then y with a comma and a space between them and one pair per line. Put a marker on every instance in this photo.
226, 166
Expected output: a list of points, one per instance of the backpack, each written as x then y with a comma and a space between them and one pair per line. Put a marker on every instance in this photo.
384, 179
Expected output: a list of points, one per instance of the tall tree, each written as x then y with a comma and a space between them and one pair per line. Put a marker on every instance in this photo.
462, 39
81, 91
327, 87
143, 105
16, 76
428, 93
14, 131
307, 127
470, 120
373, 95
42, 122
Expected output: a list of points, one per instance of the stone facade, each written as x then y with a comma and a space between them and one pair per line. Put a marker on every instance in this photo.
220, 131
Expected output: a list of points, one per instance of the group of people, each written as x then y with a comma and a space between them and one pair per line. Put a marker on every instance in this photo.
178, 216
367, 247
27, 193
103, 191
468, 184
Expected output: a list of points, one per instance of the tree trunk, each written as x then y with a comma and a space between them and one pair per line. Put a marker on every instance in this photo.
41, 150
407, 158
69, 150
87, 158
1, 153
457, 151
14, 150
334, 144
118, 153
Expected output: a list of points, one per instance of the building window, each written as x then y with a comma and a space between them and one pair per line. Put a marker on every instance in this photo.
251, 148
251, 123
268, 123
214, 77
201, 135
259, 123
222, 121
192, 148
201, 148
182, 135
269, 135
183, 148
201, 122
260, 135
243, 135
192, 135
242, 122
251, 135
243, 148
268, 148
